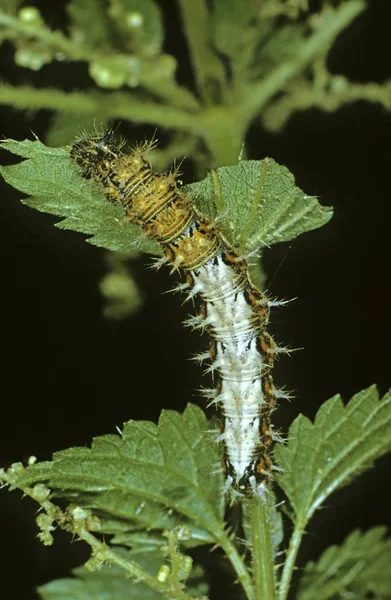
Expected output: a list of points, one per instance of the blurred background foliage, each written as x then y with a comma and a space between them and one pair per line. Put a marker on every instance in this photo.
249, 60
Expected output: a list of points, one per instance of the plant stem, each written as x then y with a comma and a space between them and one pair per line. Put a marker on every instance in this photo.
339, 91
196, 24
73, 51
131, 567
238, 565
262, 548
120, 106
222, 133
290, 560
53, 39
332, 24
101, 552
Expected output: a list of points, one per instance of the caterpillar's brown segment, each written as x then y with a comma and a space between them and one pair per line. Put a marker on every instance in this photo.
233, 311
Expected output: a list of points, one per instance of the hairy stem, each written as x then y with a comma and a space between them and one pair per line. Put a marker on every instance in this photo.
131, 567
167, 89
339, 91
223, 127
238, 565
290, 560
223, 135
70, 521
332, 24
262, 548
206, 65
121, 106
53, 39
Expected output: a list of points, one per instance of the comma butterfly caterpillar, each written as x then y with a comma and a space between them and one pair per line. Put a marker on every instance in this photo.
232, 310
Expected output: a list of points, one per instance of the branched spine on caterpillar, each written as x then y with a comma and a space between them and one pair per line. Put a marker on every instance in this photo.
233, 311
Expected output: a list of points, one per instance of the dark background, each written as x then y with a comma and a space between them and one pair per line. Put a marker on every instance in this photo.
68, 374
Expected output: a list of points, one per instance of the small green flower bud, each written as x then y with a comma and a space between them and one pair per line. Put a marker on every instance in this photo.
134, 20
40, 492
16, 468
186, 564
32, 59
182, 533
79, 514
107, 77
30, 15
163, 573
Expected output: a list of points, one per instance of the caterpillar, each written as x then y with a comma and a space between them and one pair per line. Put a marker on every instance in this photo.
233, 311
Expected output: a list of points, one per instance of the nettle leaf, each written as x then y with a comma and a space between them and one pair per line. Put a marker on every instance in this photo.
259, 204
55, 186
361, 565
323, 456
154, 477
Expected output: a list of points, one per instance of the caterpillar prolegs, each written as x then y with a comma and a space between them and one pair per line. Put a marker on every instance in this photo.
233, 311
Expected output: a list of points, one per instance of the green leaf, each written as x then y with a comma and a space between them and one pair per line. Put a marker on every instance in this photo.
55, 186
258, 204
151, 478
323, 456
90, 24
360, 566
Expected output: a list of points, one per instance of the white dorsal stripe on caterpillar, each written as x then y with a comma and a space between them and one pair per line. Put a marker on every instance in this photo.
232, 310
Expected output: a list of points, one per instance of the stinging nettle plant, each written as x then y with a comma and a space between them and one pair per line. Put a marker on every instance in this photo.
145, 498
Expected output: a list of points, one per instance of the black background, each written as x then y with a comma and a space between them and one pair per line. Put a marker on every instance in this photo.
68, 374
